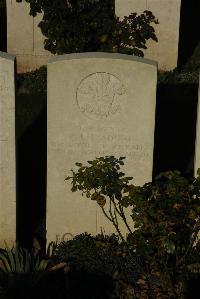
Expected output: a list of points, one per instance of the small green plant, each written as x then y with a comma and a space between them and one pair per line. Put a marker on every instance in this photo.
20, 270
175, 77
111, 265
20, 260
103, 182
51, 249
165, 213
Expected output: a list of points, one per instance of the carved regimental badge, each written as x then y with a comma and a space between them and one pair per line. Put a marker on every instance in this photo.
98, 95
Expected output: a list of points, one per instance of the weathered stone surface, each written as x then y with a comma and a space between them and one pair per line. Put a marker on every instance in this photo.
7, 150
98, 104
25, 39
197, 153
168, 14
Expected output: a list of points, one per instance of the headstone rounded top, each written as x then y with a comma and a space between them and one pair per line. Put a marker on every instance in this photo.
103, 55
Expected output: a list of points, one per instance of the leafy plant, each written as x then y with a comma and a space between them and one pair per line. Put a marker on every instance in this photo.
51, 249
91, 25
103, 182
165, 213
20, 260
21, 271
33, 82
176, 77
111, 265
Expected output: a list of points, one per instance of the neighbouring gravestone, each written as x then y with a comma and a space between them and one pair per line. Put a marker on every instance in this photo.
167, 31
7, 150
197, 151
98, 104
24, 37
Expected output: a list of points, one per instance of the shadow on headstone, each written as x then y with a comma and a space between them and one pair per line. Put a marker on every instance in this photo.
31, 183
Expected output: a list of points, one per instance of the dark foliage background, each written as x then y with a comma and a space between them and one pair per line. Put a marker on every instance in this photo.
91, 25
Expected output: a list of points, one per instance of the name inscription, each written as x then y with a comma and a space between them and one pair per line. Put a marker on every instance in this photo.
93, 144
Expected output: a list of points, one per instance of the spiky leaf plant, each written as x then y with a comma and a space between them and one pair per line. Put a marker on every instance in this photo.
20, 270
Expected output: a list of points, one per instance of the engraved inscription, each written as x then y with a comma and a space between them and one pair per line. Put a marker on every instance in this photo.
2, 156
3, 83
98, 95
109, 142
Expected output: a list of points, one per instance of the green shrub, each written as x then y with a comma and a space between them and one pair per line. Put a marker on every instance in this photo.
165, 213
20, 270
91, 26
176, 77
112, 266
33, 82
24, 274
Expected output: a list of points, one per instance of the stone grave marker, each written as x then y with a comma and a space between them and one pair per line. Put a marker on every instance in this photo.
167, 31
197, 148
98, 104
7, 150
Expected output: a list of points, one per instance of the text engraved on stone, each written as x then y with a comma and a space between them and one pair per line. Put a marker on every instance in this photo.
4, 88
3, 156
107, 144
98, 95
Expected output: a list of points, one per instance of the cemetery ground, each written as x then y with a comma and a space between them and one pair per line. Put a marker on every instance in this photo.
147, 264
94, 231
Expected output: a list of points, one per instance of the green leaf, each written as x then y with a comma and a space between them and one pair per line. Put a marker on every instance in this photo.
169, 246
192, 215
74, 189
101, 200
67, 178
42, 265
5, 263
26, 261
17, 260
11, 259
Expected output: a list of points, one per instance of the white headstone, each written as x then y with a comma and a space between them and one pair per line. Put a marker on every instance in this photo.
24, 37
7, 150
197, 150
98, 104
26, 41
